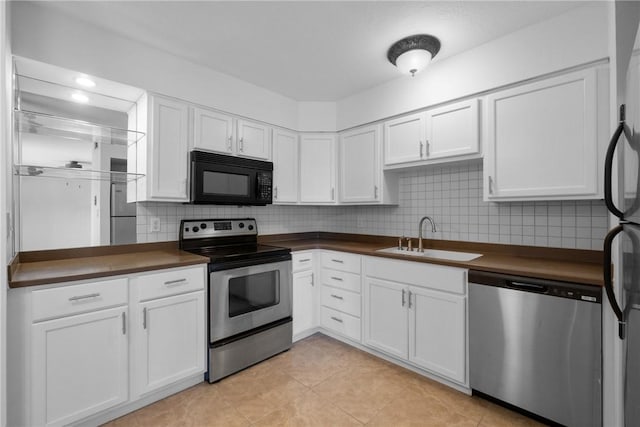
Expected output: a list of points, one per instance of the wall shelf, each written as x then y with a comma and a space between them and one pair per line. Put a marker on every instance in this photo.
74, 173
60, 127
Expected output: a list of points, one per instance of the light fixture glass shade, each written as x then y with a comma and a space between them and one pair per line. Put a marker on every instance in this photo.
413, 61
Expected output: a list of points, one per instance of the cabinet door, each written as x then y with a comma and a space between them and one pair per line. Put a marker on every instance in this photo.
285, 166
317, 168
437, 328
542, 140
304, 302
360, 166
404, 139
212, 131
254, 140
173, 342
169, 135
385, 316
453, 130
79, 366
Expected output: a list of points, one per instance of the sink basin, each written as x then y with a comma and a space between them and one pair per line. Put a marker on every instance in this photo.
434, 253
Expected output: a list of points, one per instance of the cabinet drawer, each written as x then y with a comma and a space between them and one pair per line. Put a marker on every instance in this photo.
170, 282
341, 323
339, 299
72, 299
340, 279
301, 260
341, 261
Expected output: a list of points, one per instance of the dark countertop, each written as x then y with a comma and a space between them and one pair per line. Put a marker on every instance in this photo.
42, 267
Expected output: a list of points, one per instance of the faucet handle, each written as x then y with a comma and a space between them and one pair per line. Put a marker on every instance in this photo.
400, 243
409, 244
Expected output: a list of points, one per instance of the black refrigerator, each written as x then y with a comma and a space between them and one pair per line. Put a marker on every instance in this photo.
622, 272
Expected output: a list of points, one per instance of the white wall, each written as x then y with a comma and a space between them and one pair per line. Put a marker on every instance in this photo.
6, 247
316, 116
44, 34
576, 37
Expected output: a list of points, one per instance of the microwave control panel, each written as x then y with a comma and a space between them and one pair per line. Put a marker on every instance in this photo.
263, 186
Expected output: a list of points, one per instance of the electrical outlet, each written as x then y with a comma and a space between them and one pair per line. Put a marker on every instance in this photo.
154, 224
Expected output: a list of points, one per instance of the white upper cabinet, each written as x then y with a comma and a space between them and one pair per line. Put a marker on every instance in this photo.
453, 130
318, 169
542, 140
212, 131
254, 140
362, 179
163, 154
404, 139
285, 166
446, 133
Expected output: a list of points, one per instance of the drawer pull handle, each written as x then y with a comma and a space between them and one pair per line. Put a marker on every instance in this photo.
305, 260
144, 318
337, 279
174, 282
336, 319
337, 297
80, 297
339, 261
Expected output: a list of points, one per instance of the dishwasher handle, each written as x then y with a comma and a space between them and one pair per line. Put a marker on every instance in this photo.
527, 287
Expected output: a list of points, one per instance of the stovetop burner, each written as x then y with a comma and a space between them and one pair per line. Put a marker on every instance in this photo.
217, 253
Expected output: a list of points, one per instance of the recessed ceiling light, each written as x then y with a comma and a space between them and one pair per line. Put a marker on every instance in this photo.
80, 97
85, 81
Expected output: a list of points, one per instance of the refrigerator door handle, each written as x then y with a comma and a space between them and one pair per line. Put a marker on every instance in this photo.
608, 280
608, 167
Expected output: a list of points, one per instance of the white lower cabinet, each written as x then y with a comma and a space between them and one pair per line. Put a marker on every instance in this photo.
417, 312
304, 294
79, 366
86, 351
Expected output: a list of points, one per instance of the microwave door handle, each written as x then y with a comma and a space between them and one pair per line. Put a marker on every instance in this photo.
608, 167
608, 279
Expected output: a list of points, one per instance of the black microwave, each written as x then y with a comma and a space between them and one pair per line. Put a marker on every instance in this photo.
217, 179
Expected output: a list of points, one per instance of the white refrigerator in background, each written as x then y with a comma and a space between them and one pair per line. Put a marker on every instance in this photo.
123, 216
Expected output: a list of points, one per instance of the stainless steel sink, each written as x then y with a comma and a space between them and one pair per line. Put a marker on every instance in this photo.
433, 253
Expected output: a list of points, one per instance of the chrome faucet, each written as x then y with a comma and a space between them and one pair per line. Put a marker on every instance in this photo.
433, 230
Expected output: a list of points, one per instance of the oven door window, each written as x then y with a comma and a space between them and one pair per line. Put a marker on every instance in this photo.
253, 292
224, 183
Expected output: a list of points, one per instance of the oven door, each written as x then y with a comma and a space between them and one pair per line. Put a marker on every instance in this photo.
241, 299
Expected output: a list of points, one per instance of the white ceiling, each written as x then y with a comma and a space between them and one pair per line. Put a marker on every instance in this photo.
308, 50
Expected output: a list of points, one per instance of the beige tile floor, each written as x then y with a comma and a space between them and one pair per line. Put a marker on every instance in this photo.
323, 382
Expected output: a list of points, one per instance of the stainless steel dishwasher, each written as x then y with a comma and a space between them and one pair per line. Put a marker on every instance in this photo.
536, 344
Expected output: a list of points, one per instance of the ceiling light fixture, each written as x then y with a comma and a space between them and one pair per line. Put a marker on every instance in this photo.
85, 81
80, 97
412, 54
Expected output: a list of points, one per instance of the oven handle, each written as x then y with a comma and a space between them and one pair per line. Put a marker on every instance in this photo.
229, 265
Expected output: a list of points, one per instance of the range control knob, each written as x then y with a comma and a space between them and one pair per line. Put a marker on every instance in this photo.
241, 225
195, 229
203, 225
250, 227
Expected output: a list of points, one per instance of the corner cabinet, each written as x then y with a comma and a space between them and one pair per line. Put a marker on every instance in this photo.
362, 180
285, 167
162, 155
542, 139
447, 133
318, 169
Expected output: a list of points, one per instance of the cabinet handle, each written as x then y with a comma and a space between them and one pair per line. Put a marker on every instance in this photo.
312, 280
79, 297
337, 297
229, 141
242, 145
175, 282
333, 193
336, 319
403, 291
409, 299
421, 145
124, 323
427, 151
337, 279
375, 191
275, 192
144, 318
490, 185
339, 261
305, 260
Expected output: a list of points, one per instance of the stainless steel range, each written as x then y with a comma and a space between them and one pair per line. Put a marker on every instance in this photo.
250, 293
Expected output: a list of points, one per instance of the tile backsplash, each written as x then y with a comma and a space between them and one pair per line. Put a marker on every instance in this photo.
450, 194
